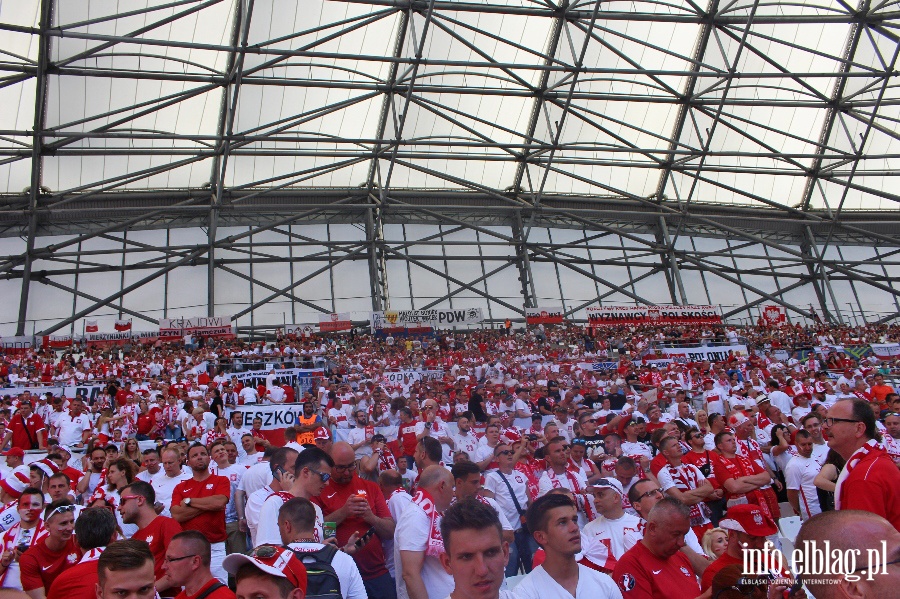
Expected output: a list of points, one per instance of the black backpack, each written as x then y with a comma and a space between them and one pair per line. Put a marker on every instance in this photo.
322, 581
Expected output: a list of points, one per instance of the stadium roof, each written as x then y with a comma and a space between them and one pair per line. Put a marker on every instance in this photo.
773, 122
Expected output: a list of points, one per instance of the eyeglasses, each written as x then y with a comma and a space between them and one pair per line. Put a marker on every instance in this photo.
829, 422
349, 466
60, 510
178, 559
656, 491
264, 551
323, 475
505, 452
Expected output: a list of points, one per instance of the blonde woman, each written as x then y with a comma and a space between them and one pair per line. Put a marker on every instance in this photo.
714, 542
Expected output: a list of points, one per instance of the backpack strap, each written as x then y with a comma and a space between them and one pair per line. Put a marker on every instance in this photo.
212, 589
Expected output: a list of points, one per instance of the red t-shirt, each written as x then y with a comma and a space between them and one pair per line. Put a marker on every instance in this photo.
20, 437
40, 566
157, 534
642, 575
211, 524
369, 557
122, 397
220, 593
78, 582
74, 475
407, 436
872, 487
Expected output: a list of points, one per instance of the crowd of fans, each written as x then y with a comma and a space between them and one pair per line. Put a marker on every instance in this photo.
493, 453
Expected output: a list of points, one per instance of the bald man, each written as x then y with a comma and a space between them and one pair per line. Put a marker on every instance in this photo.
357, 506
849, 530
418, 544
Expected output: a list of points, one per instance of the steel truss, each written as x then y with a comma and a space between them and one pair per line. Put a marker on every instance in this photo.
771, 247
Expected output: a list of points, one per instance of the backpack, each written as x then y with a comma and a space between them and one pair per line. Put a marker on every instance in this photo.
322, 581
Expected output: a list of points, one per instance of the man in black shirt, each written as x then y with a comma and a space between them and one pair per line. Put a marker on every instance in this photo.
596, 449
476, 404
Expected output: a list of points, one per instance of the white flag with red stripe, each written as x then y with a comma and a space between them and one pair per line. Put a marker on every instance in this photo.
123, 325
90, 326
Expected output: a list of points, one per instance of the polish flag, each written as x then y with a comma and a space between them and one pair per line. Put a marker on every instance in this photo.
90, 326
123, 325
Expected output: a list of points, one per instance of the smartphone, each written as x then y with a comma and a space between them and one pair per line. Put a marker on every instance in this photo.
22, 547
279, 472
365, 538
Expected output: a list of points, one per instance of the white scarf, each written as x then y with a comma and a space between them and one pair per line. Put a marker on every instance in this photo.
92, 555
435, 545
870, 446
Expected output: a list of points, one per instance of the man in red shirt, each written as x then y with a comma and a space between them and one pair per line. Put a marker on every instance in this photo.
95, 529
26, 430
124, 394
187, 565
199, 504
407, 435
741, 477
655, 568
136, 507
870, 480
357, 506
747, 526
52, 555
125, 569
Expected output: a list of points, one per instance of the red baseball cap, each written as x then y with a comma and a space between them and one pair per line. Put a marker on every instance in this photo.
15, 451
750, 519
322, 434
277, 561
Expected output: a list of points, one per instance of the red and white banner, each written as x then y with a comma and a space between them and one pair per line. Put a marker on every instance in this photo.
543, 315
340, 321
773, 314
123, 325
300, 330
56, 341
174, 329
118, 338
611, 316
16, 345
90, 326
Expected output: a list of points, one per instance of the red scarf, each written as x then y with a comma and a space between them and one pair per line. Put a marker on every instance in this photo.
435, 545
386, 461
871, 446
584, 503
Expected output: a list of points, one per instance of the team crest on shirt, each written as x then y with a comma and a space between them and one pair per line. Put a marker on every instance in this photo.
72, 558
685, 571
149, 539
209, 486
628, 582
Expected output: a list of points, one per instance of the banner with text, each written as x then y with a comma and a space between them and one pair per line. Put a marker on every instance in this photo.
302, 377
433, 318
299, 330
682, 355
56, 341
543, 315
611, 316
274, 419
173, 329
88, 392
396, 377
340, 321
16, 345
886, 351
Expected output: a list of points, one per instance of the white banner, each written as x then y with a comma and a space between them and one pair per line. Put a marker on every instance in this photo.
544, 315
20, 343
273, 417
300, 330
432, 318
198, 322
718, 353
87, 392
828, 349
886, 351
291, 376
340, 321
108, 337
414, 375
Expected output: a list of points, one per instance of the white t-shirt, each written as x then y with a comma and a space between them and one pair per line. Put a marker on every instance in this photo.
396, 504
267, 532
72, 427
519, 485
164, 485
603, 540
358, 435
467, 443
799, 475
345, 568
255, 478
413, 531
503, 595
593, 584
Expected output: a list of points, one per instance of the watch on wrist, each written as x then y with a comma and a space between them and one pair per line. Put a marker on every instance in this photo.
187, 501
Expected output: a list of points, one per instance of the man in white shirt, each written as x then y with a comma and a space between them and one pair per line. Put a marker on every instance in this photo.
236, 431
152, 468
467, 482
474, 551
418, 543
74, 426
553, 520
506, 483
799, 475
391, 484
297, 523
465, 440
603, 539
249, 395
164, 484
220, 466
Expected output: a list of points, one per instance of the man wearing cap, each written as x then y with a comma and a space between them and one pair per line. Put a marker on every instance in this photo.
269, 572
322, 438
603, 539
870, 480
714, 398
747, 526
655, 567
12, 485
25, 430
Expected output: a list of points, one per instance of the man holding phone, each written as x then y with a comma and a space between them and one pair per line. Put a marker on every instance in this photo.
357, 505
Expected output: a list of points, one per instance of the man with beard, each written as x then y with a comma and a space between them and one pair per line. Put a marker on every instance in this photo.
198, 503
799, 475
136, 507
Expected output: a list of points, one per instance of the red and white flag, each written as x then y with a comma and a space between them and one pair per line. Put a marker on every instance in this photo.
123, 325
90, 326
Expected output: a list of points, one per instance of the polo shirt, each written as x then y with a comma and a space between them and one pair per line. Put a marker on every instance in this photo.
211, 524
642, 575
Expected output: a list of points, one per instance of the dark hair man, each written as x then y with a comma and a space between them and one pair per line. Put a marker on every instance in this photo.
553, 521
187, 566
136, 507
125, 569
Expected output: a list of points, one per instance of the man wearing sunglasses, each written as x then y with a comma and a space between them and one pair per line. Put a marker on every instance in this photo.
136, 507
198, 503
52, 555
357, 506
870, 480
510, 489
311, 470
